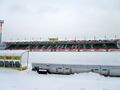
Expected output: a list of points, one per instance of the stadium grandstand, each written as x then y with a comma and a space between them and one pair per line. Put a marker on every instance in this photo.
54, 44
74, 45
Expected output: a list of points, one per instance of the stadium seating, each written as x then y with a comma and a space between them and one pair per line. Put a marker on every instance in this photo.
1, 63
83, 44
17, 64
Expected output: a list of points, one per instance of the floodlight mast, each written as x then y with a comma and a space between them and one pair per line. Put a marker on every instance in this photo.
1, 23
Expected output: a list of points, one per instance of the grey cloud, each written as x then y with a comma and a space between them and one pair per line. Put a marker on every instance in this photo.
60, 18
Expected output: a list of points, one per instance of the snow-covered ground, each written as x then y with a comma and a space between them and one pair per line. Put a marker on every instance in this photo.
29, 80
85, 58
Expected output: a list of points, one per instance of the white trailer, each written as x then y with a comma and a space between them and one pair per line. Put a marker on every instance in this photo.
105, 63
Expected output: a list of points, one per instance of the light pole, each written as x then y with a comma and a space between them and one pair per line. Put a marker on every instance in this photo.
1, 22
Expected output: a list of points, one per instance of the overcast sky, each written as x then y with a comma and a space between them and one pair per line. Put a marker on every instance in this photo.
35, 19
